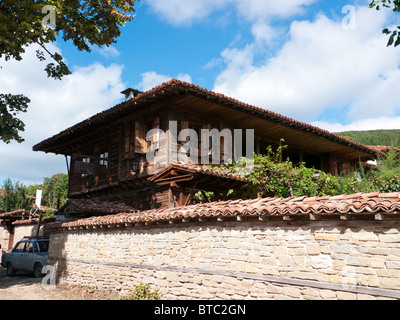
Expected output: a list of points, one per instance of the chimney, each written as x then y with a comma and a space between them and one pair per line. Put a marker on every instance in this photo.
130, 93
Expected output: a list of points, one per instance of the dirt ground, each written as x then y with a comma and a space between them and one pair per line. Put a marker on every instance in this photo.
24, 286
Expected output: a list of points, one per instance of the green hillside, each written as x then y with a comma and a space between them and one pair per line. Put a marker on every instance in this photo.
374, 137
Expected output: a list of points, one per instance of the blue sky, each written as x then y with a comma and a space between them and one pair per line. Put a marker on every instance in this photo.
299, 58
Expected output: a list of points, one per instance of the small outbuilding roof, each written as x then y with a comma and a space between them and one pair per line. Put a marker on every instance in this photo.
206, 178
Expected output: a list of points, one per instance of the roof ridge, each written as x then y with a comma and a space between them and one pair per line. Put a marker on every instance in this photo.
173, 81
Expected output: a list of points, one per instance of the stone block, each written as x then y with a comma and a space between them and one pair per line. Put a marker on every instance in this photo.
358, 261
364, 236
292, 292
313, 249
341, 248
328, 294
346, 295
309, 276
326, 237
389, 238
392, 264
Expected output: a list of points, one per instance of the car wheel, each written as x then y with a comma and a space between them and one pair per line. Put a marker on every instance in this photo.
10, 270
37, 270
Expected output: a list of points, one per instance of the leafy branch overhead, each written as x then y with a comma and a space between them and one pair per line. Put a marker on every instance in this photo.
394, 34
25, 23
10, 125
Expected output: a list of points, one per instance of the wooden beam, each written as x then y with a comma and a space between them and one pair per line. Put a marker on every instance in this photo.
190, 195
186, 177
181, 197
171, 201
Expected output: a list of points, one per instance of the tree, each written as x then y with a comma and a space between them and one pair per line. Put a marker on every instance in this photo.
55, 188
10, 125
15, 197
39, 22
394, 34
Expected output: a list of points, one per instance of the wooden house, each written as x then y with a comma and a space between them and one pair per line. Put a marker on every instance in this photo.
106, 154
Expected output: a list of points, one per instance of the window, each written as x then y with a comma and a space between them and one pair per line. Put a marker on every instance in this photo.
43, 246
20, 247
85, 160
104, 158
31, 247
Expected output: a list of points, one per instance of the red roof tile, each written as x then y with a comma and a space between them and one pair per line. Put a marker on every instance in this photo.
16, 213
204, 170
88, 206
382, 148
356, 204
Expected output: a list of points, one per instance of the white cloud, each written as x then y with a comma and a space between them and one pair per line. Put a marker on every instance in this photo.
55, 105
152, 79
254, 10
265, 33
183, 12
321, 67
186, 12
108, 52
365, 124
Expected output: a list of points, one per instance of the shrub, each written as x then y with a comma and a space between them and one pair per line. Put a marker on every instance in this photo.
274, 177
143, 292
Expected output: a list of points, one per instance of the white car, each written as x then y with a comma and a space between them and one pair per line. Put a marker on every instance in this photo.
30, 254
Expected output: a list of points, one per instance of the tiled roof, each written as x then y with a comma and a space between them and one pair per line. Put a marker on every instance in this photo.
95, 207
344, 206
32, 221
204, 170
160, 91
382, 148
16, 213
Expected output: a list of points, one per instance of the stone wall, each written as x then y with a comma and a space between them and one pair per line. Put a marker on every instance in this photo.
4, 237
27, 230
23, 228
236, 260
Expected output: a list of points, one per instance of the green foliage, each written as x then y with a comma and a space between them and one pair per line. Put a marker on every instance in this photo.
15, 197
52, 188
23, 23
143, 292
55, 188
10, 125
386, 176
374, 137
274, 177
84, 22
394, 34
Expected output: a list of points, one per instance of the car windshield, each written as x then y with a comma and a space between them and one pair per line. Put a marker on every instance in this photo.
43, 246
